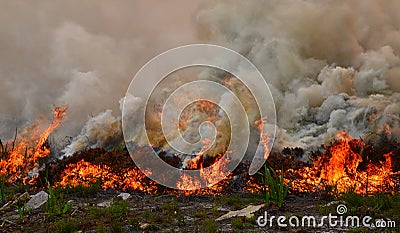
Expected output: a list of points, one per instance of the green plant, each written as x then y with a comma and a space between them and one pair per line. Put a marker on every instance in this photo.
237, 223
233, 200
274, 188
210, 226
2, 188
82, 190
170, 207
116, 227
21, 212
201, 213
215, 210
151, 227
100, 228
56, 203
134, 223
116, 210
65, 226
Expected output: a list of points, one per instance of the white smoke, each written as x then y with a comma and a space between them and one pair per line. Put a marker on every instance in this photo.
103, 131
331, 65
80, 54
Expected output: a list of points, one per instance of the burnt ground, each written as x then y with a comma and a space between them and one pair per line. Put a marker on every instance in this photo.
149, 213
167, 213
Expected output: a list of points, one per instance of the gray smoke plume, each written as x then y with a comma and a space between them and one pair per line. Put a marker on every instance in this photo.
331, 65
80, 54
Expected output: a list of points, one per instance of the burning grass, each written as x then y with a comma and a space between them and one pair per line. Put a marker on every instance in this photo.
352, 165
348, 170
346, 164
22, 158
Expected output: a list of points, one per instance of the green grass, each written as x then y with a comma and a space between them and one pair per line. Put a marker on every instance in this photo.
170, 207
237, 223
57, 204
210, 226
274, 189
100, 228
2, 189
152, 227
82, 190
116, 227
134, 223
380, 205
238, 201
68, 225
200, 213
116, 210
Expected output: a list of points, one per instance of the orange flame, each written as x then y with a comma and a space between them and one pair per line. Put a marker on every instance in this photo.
15, 164
339, 167
264, 138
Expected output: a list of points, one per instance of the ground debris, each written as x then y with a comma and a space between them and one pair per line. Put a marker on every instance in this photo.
245, 212
22, 198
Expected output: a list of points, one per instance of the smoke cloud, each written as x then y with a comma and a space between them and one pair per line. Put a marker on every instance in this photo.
331, 65
80, 53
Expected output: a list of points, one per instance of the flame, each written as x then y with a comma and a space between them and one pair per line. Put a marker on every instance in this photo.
85, 173
264, 138
207, 175
339, 167
41, 151
17, 163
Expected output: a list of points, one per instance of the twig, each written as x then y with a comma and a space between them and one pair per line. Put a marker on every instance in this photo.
6, 220
10, 203
15, 138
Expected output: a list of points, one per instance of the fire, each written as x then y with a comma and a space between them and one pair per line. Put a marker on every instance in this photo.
264, 138
40, 151
343, 161
86, 173
17, 163
340, 166
207, 175
186, 182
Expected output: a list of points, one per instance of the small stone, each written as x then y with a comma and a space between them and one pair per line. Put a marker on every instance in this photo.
143, 225
124, 196
105, 204
37, 200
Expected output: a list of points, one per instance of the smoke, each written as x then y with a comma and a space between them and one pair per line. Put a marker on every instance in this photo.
80, 53
331, 65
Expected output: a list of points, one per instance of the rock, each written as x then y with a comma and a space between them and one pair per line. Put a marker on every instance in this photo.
37, 200
333, 203
124, 196
246, 212
143, 225
105, 204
